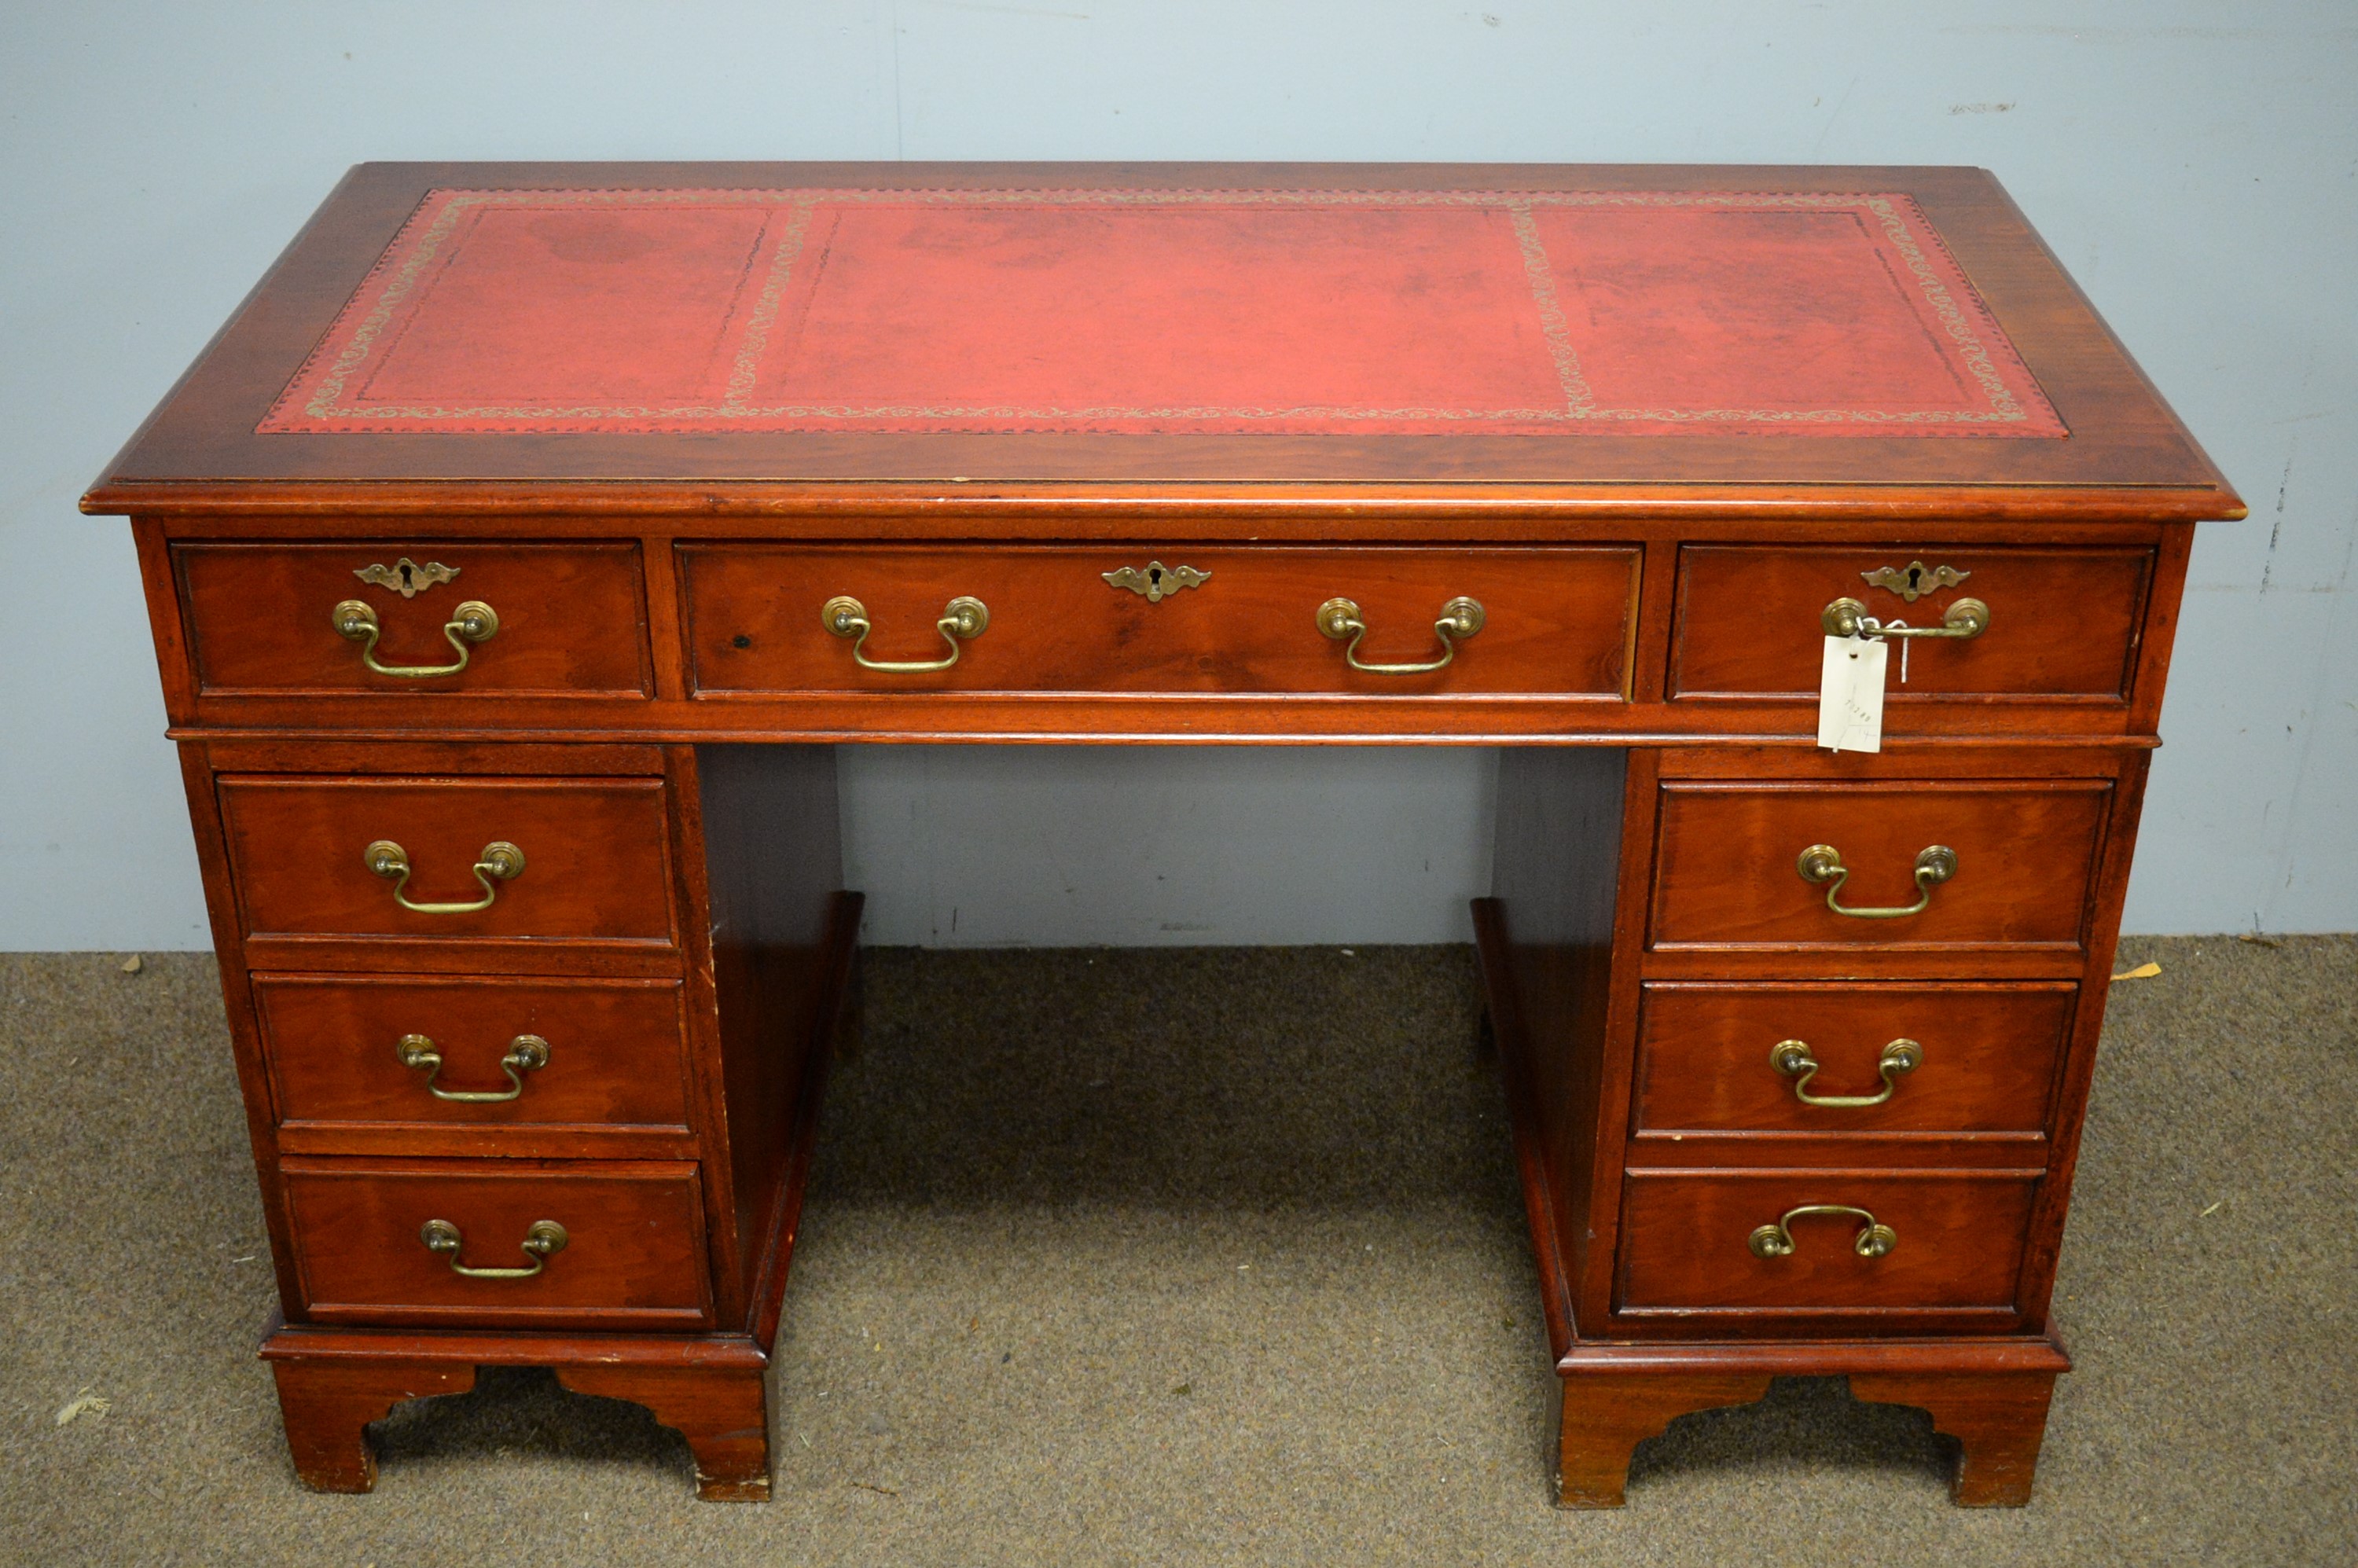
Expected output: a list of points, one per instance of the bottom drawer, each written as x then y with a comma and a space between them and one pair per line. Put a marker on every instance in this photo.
1949, 1239
631, 1254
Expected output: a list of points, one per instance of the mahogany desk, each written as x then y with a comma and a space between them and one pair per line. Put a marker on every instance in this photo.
518, 552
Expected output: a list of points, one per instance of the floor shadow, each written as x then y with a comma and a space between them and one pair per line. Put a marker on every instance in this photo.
1190, 1077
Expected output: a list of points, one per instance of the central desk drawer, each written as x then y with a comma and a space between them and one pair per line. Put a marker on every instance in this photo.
1729, 871
433, 1053
628, 1242
1554, 622
583, 859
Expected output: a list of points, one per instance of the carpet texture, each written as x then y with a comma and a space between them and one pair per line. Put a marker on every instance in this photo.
1209, 1256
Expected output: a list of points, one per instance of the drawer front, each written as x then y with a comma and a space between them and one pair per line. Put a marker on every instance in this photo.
1957, 1240
349, 1049
633, 1253
596, 863
2064, 624
1555, 621
1719, 1058
1726, 871
571, 619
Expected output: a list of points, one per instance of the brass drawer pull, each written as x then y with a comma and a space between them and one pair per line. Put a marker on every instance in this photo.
961, 617
499, 861
526, 1053
1873, 1240
1794, 1059
1846, 617
473, 622
1460, 619
544, 1239
1823, 864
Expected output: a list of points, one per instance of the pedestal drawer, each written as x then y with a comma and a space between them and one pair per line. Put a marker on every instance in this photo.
2062, 622
1554, 620
1834, 1059
1718, 1240
1729, 871
565, 620
350, 1052
577, 1245
583, 859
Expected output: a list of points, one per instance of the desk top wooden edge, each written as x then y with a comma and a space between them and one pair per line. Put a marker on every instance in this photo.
2127, 455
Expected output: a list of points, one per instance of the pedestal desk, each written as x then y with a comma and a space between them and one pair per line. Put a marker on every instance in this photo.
519, 552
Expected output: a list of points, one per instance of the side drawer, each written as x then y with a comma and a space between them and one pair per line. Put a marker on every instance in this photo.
2064, 624
595, 858
425, 1053
1957, 1240
1728, 871
1554, 620
1944, 1058
633, 1253
262, 619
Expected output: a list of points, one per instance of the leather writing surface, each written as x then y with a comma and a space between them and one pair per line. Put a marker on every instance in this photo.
1215, 312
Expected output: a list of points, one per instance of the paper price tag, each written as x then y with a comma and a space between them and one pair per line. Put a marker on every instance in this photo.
1850, 695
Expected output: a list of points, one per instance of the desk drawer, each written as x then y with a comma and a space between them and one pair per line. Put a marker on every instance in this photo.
348, 1051
631, 1253
1727, 870
1554, 622
595, 860
2064, 624
262, 619
1956, 1240
1719, 1058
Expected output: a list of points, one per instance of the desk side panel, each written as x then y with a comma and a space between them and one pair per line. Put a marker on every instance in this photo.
771, 856
1556, 869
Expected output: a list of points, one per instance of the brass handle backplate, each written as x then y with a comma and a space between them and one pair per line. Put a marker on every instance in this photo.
473, 622
543, 1240
499, 861
1460, 618
1795, 1060
1848, 618
961, 617
1823, 864
526, 1053
1873, 1240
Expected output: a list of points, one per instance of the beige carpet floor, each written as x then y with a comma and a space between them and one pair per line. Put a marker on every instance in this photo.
1206, 1256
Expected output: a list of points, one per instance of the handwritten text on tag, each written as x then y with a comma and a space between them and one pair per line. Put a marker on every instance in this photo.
1850, 695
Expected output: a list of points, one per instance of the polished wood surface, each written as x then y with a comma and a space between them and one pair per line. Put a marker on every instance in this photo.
595, 863
632, 1257
572, 618
2063, 622
1558, 622
616, 1059
1726, 873
652, 725
1961, 1235
1989, 1054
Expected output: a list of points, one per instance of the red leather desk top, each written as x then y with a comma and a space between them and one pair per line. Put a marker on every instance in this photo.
1541, 313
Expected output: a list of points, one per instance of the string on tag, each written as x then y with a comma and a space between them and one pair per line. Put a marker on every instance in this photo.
1905, 643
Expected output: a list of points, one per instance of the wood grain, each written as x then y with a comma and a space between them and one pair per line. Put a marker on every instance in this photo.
572, 618
1558, 620
634, 1257
2062, 627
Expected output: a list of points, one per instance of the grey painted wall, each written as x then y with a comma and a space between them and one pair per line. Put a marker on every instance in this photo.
2196, 167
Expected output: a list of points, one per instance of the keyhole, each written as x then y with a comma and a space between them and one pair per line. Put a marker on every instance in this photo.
408, 587
1915, 580
1154, 575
